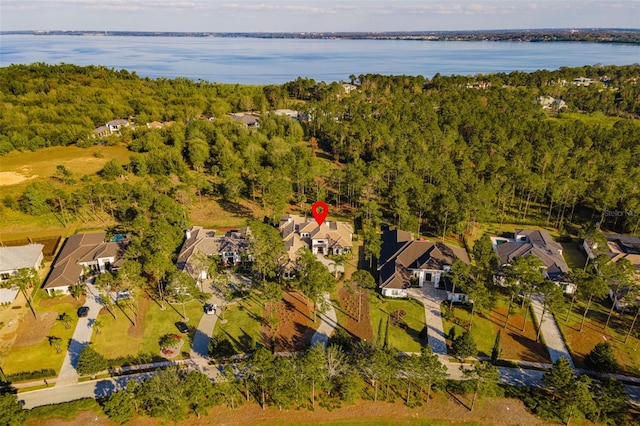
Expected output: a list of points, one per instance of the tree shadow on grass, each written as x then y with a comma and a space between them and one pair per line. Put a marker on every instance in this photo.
531, 347
235, 208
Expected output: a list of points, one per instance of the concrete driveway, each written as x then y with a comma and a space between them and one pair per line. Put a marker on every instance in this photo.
81, 338
431, 298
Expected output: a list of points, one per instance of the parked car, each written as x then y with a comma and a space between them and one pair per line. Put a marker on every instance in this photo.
83, 311
182, 327
210, 309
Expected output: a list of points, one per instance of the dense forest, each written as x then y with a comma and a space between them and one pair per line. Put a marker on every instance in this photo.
424, 154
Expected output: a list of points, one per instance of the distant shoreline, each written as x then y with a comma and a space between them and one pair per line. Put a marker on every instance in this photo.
588, 35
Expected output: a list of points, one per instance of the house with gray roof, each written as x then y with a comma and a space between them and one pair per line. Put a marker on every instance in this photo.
81, 255
405, 261
13, 259
536, 242
201, 243
619, 246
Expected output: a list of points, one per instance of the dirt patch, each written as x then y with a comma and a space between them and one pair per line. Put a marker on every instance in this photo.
349, 303
33, 331
514, 343
13, 178
582, 342
137, 331
294, 326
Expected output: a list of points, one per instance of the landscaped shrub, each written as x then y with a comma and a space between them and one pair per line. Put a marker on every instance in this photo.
65, 410
91, 362
464, 346
31, 375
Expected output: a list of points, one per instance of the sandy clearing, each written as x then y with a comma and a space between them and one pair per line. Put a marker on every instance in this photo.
13, 178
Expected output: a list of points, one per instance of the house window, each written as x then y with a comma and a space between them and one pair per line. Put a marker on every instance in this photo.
394, 292
427, 276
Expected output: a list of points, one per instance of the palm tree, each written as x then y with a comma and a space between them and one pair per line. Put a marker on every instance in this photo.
24, 280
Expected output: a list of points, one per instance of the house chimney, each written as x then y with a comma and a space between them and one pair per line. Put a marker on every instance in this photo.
187, 233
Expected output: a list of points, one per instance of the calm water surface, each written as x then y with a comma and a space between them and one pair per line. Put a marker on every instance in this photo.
266, 61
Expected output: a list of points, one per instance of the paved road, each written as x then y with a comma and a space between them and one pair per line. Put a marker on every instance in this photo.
81, 338
328, 323
431, 298
550, 331
91, 389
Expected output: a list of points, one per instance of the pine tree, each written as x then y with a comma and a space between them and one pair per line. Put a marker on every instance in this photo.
91, 362
495, 352
464, 346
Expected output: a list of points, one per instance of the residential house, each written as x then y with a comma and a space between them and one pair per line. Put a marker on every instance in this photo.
330, 238
249, 120
115, 126
12, 259
82, 255
348, 87
619, 246
405, 262
200, 242
540, 244
455, 294
110, 128
101, 131
286, 112
583, 81
551, 103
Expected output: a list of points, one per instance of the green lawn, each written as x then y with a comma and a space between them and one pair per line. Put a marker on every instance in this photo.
572, 254
403, 340
42, 355
156, 323
482, 330
243, 327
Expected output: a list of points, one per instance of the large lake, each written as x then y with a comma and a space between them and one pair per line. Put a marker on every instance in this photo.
266, 61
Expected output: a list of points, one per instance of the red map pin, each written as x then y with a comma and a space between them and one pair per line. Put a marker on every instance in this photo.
319, 210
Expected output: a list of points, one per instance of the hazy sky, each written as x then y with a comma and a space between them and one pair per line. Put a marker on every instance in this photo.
312, 15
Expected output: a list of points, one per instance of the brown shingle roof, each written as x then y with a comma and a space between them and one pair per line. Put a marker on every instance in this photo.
81, 248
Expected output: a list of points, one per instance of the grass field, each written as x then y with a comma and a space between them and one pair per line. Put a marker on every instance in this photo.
403, 340
143, 339
572, 255
39, 166
243, 327
482, 330
42, 355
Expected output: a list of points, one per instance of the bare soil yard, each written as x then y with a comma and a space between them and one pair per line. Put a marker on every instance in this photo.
442, 408
294, 327
349, 305
33, 331
514, 343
